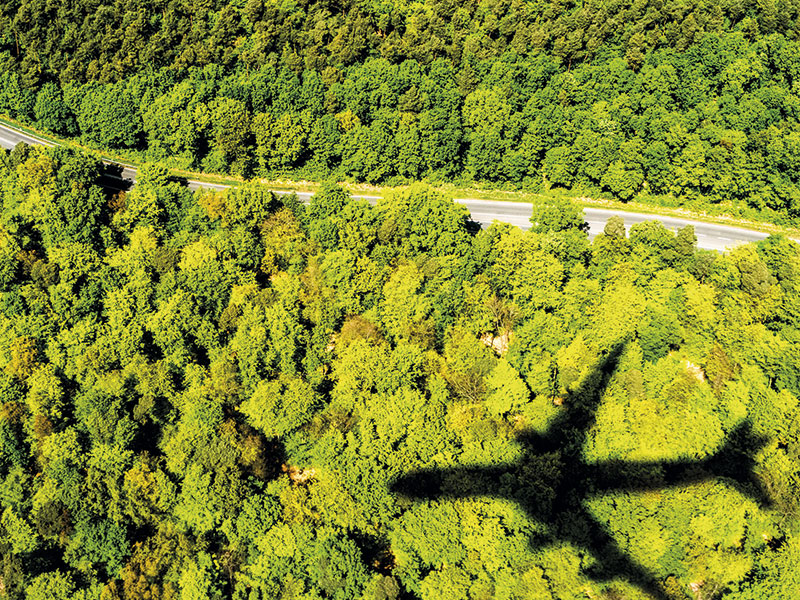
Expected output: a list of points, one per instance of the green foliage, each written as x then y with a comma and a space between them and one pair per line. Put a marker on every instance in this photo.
54, 585
323, 215
405, 308
108, 115
52, 113
279, 407
335, 564
506, 392
423, 221
658, 332
672, 104
197, 580
558, 214
210, 396
58, 197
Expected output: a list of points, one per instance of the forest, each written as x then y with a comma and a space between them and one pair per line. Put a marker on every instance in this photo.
226, 394
665, 101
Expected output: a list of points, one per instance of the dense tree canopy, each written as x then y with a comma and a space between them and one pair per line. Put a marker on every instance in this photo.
212, 395
692, 103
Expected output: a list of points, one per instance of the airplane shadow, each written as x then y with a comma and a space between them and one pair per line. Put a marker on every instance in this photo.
552, 481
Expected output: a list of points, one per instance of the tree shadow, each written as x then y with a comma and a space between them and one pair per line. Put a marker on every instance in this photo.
552, 482
111, 178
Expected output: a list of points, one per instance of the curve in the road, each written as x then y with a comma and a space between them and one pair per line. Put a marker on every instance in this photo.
710, 236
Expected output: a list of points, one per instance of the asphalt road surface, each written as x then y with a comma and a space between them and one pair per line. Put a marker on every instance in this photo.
709, 236
11, 137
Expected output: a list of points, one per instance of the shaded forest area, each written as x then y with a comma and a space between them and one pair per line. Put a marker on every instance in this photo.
224, 394
667, 101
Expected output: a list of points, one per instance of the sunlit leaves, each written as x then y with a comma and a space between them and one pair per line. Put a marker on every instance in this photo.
218, 401
405, 308
107, 115
281, 406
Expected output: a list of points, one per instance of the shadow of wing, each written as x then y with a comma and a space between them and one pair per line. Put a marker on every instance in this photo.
567, 432
456, 482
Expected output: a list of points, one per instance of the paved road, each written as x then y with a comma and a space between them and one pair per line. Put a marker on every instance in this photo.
709, 236
11, 137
